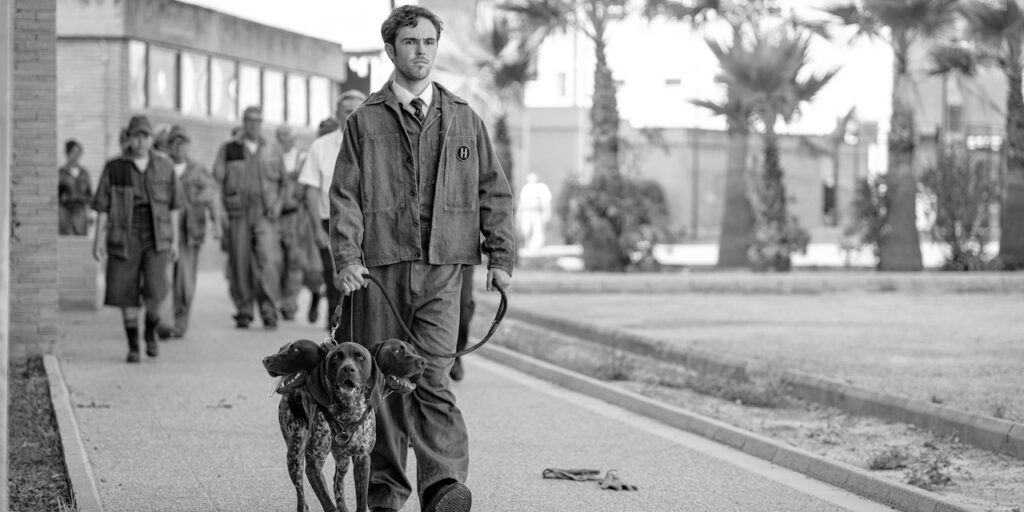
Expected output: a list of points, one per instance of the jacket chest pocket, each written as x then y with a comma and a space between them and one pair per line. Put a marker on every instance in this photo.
461, 174
161, 190
383, 160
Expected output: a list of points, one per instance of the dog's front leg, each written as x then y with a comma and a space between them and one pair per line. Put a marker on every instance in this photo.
361, 477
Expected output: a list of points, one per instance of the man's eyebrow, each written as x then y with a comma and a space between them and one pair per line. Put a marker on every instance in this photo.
407, 39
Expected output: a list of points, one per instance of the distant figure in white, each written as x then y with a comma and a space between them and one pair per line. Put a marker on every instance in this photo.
534, 211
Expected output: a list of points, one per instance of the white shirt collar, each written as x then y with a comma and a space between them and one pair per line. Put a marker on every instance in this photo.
405, 96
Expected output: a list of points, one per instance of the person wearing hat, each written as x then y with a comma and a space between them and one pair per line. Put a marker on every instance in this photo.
252, 184
137, 202
200, 202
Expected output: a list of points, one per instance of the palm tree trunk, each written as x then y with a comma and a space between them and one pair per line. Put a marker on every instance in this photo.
503, 146
900, 245
1011, 235
776, 215
737, 217
604, 116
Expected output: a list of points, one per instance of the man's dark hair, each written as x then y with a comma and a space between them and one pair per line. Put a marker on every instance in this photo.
406, 16
71, 144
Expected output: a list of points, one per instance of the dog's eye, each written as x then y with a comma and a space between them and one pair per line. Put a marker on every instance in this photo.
360, 358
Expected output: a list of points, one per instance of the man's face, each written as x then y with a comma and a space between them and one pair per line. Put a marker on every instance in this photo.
140, 142
74, 154
179, 150
252, 123
414, 50
345, 109
286, 140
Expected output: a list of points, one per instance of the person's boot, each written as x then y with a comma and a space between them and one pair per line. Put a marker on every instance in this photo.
152, 347
314, 308
133, 344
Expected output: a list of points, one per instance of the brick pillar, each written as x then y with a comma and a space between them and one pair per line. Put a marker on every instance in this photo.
6, 56
33, 245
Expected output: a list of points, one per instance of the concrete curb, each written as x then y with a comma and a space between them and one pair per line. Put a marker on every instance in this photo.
798, 282
856, 480
993, 434
83, 484
697, 360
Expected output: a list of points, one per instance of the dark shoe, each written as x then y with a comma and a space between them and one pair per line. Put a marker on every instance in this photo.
454, 497
314, 309
242, 321
288, 315
177, 333
456, 373
152, 348
163, 332
133, 356
270, 323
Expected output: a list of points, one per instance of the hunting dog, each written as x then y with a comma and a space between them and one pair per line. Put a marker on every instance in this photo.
329, 394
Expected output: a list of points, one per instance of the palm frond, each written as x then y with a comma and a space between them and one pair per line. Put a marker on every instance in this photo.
953, 58
993, 22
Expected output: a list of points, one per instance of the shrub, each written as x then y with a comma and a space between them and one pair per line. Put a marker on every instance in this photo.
870, 209
960, 192
616, 219
777, 235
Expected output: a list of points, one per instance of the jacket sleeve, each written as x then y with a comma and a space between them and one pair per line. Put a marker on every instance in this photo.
346, 206
219, 168
101, 200
496, 223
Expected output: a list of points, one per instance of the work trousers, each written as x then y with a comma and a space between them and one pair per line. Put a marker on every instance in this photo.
301, 260
175, 308
333, 293
255, 261
427, 297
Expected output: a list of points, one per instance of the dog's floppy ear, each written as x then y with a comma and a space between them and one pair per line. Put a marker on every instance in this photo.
376, 385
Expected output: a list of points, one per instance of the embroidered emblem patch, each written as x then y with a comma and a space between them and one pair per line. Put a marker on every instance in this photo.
462, 153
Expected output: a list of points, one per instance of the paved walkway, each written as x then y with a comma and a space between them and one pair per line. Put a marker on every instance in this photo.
194, 430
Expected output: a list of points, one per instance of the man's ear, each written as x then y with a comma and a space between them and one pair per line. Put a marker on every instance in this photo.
390, 50
377, 381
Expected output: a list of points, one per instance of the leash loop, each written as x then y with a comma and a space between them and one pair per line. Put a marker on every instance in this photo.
499, 315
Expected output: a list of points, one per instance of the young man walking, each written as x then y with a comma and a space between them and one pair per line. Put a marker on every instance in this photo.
301, 255
315, 177
416, 185
137, 201
252, 186
200, 213
74, 193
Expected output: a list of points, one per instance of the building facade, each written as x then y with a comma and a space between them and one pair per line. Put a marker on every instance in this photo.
183, 64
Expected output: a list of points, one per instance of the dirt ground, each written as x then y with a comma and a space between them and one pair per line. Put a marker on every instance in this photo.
962, 350
969, 476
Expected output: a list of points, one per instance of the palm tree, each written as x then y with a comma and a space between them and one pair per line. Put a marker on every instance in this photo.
766, 67
737, 216
908, 22
592, 18
998, 29
494, 64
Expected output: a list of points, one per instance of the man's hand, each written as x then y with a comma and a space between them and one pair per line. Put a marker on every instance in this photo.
99, 250
497, 277
350, 278
322, 240
174, 251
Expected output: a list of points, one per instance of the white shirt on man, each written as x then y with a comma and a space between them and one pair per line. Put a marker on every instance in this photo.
405, 96
318, 170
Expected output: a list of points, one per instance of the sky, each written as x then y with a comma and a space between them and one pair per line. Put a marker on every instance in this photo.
355, 24
340, 21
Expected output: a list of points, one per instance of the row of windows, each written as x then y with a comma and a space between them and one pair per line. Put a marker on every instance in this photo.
206, 86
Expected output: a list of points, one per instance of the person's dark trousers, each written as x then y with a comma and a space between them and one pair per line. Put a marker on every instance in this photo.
333, 293
467, 306
427, 297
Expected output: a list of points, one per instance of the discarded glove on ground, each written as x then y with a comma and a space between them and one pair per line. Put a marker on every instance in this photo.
610, 480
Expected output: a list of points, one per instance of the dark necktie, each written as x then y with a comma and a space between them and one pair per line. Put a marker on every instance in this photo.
419, 105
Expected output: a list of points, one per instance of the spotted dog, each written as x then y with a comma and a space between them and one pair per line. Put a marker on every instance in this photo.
337, 387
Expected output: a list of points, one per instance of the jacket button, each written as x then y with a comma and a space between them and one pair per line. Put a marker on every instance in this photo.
412, 193
408, 161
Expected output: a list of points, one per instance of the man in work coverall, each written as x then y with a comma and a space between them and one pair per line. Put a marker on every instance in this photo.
252, 184
416, 184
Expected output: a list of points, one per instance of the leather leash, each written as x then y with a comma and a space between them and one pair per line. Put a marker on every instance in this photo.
498, 316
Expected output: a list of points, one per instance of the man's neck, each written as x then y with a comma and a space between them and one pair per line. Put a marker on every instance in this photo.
136, 155
415, 87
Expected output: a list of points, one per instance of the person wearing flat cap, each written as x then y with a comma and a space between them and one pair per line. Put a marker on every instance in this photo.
137, 202
200, 213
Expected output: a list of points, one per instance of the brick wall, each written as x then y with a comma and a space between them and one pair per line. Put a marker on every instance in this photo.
33, 289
